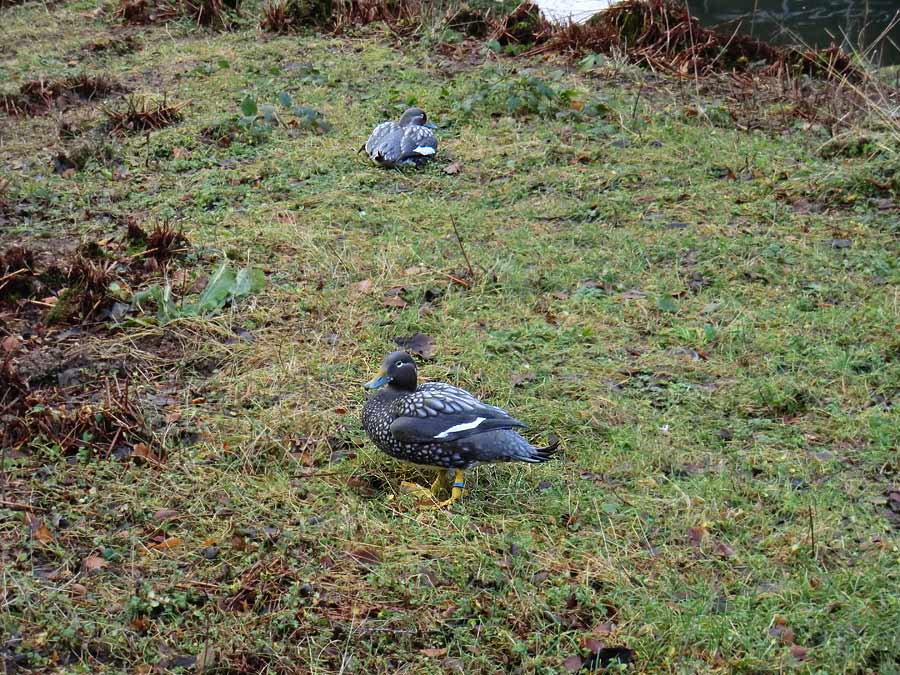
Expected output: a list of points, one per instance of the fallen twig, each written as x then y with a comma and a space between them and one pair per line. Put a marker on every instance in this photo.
18, 506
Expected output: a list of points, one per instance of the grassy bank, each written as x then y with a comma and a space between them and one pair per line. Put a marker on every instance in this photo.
695, 289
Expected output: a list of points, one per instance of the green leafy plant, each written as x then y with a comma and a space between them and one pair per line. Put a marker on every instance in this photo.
301, 117
520, 96
224, 286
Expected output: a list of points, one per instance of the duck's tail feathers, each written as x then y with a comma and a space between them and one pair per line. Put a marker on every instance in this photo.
546, 453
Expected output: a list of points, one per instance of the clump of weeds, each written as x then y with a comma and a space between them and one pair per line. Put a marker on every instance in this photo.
16, 272
89, 291
126, 44
286, 16
217, 14
165, 242
141, 114
79, 155
37, 97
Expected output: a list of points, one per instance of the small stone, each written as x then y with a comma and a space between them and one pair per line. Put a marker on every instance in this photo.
210, 552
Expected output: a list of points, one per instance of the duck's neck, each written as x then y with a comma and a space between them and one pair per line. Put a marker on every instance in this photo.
391, 392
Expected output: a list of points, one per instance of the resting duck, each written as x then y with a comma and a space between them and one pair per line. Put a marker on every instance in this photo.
439, 425
410, 141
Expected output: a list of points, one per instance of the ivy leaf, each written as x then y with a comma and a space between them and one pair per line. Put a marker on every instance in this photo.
666, 303
248, 106
249, 280
268, 113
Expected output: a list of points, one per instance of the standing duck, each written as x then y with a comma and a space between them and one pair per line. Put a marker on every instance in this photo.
410, 141
439, 425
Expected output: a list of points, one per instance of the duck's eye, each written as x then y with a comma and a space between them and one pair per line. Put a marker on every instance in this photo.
398, 364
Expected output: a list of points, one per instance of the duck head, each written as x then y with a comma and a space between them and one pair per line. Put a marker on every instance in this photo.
398, 370
416, 117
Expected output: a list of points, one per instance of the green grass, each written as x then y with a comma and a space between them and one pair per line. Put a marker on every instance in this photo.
723, 378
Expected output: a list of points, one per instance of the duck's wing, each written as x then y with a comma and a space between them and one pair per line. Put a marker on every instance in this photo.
418, 143
382, 143
439, 413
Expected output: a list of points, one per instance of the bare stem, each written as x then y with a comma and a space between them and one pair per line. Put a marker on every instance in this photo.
812, 533
461, 247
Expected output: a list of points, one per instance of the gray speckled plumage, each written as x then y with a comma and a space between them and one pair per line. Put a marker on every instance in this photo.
437, 424
407, 142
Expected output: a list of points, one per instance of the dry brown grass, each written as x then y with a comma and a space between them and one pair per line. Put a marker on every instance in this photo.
662, 35
211, 13
399, 14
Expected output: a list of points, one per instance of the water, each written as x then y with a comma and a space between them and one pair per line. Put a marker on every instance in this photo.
853, 24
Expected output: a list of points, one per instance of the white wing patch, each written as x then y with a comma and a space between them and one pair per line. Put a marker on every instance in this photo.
465, 426
424, 150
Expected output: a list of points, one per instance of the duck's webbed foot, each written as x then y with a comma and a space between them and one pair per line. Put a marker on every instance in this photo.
440, 485
416, 489
457, 490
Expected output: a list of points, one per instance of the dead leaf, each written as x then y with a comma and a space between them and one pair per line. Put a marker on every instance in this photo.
723, 550
785, 634
42, 533
798, 652
306, 457
434, 652
365, 554
519, 379
696, 535
633, 294
453, 169
605, 628
10, 343
573, 664
395, 301
93, 563
77, 589
140, 623
166, 544
419, 344
141, 451
593, 645
179, 153
364, 286
165, 514
726, 173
